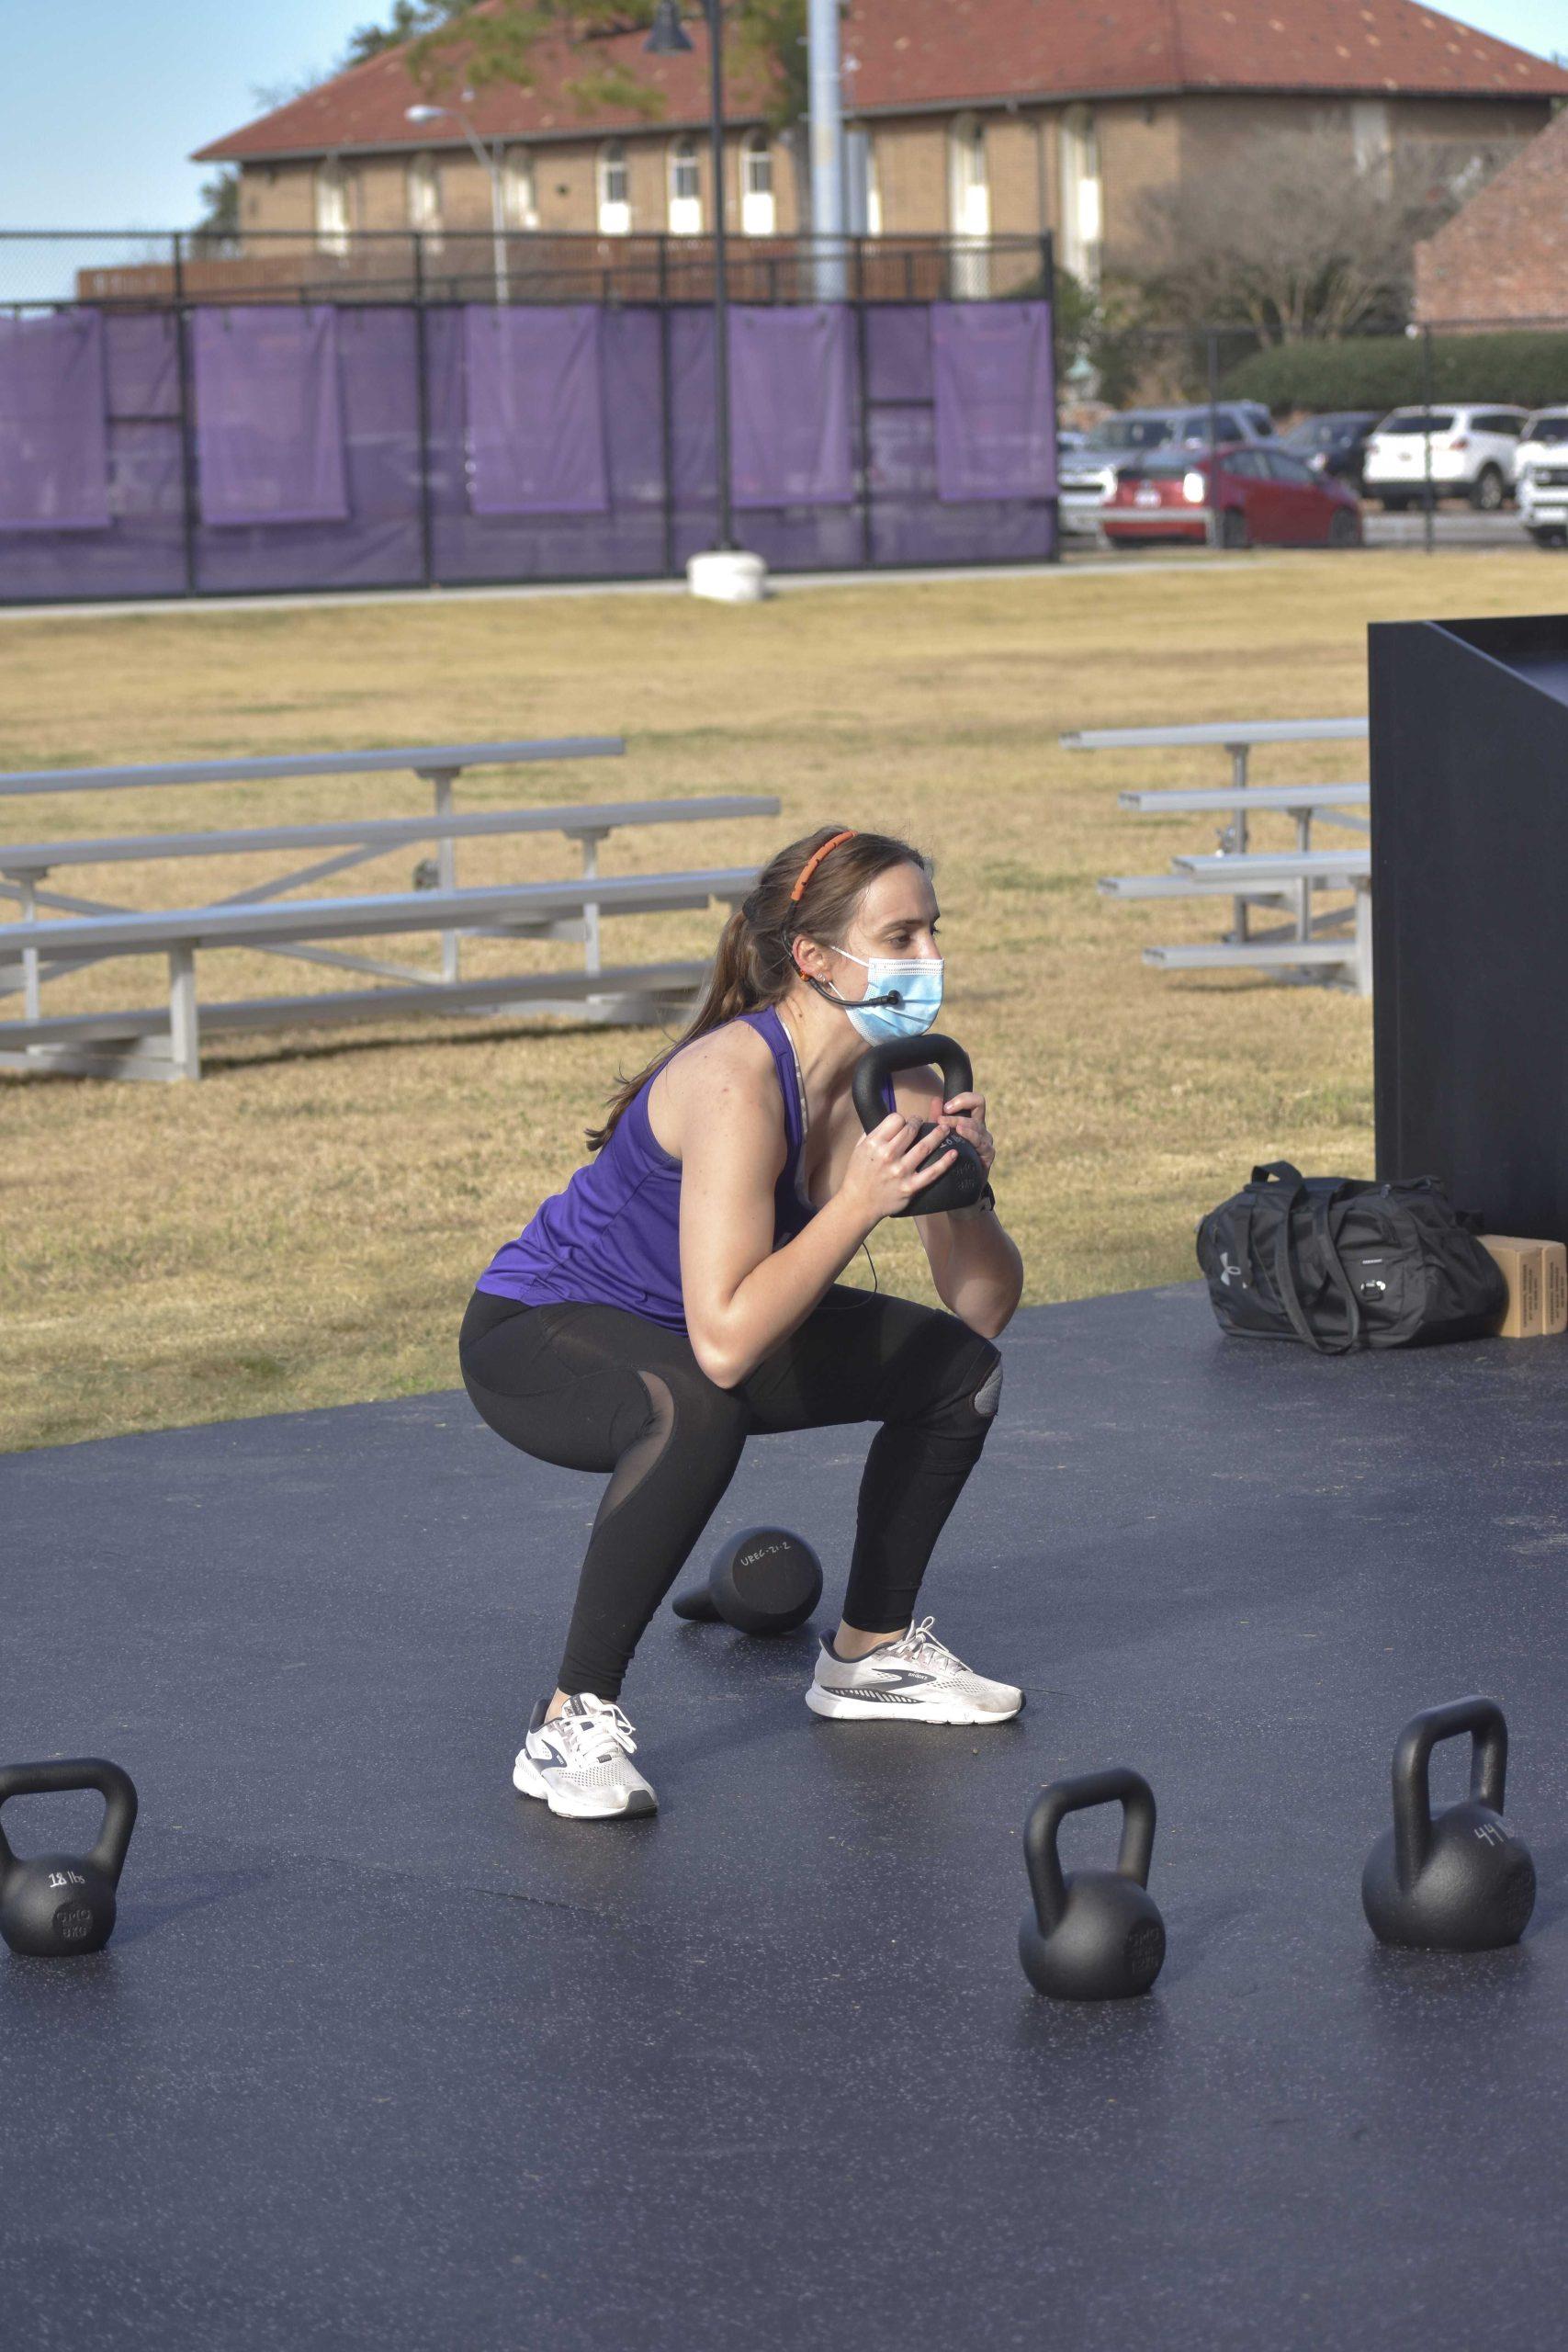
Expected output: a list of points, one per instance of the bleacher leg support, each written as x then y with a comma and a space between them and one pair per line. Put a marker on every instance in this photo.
443, 780
1238, 752
184, 1027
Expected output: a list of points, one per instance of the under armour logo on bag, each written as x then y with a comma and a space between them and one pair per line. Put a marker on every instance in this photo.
1230, 1270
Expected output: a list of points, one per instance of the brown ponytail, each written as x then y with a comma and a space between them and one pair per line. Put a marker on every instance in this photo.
752, 964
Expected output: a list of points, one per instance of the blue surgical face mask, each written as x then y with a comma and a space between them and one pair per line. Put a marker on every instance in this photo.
916, 981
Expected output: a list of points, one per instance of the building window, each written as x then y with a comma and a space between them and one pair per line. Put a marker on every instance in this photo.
757, 210
969, 208
614, 190
333, 208
424, 200
686, 190
863, 192
518, 199
1370, 140
1079, 144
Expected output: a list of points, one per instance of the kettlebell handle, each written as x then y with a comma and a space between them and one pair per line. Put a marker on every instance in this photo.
1483, 1719
907, 1052
1051, 1808
57, 1778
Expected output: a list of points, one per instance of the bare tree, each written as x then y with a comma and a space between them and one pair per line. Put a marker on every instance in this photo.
1285, 232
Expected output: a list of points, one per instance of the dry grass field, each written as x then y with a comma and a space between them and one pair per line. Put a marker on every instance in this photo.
303, 1226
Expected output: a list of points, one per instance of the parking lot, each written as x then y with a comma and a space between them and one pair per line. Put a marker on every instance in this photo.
1453, 527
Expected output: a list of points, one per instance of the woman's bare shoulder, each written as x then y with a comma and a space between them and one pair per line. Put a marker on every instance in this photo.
731, 1069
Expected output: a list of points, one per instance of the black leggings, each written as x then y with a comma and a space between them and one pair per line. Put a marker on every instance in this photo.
598, 1388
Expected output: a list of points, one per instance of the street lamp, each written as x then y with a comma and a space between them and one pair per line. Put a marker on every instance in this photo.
497, 196
725, 571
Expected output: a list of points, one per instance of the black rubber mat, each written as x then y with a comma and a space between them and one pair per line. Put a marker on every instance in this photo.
383, 2055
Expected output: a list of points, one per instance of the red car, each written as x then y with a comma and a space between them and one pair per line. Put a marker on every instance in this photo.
1267, 498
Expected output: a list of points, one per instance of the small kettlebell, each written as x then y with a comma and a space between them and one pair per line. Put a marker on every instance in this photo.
764, 1580
1096, 1936
965, 1182
1463, 1882
53, 1906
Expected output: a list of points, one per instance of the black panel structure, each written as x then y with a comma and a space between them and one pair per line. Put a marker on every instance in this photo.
1470, 912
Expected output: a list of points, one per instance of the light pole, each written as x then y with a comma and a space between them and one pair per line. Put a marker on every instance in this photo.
725, 571
496, 193
668, 39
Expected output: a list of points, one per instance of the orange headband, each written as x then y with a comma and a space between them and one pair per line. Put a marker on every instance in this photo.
814, 861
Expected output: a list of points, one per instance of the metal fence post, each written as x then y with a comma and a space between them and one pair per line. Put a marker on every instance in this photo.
187, 437
1214, 377
421, 404
1428, 528
862, 410
1048, 289
666, 405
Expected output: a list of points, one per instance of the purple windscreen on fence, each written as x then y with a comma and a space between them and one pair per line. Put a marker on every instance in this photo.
792, 397
398, 500
54, 469
379, 543
269, 425
996, 424
535, 393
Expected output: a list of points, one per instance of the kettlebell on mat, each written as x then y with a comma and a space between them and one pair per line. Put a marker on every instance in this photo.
1463, 1882
53, 1906
1096, 1936
764, 1580
965, 1179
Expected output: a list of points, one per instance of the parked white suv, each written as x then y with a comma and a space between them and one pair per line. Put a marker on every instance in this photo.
1087, 475
1541, 479
1472, 449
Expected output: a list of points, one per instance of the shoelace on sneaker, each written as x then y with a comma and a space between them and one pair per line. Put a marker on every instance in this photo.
591, 1729
921, 1648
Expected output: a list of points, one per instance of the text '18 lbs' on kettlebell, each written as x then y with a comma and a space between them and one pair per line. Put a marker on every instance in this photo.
54, 1906
1096, 1936
1461, 1881
764, 1580
965, 1180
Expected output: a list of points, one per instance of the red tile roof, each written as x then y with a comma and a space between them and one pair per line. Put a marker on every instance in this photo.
901, 55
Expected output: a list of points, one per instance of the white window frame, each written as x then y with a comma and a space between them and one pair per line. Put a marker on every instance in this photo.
861, 188
613, 173
333, 197
684, 173
425, 201
520, 202
759, 207
1082, 195
969, 208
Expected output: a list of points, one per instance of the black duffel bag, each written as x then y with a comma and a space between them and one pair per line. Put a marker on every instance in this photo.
1342, 1265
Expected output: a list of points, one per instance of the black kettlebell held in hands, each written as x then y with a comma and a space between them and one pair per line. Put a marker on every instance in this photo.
53, 1906
1462, 1882
966, 1179
1096, 1936
764, 1580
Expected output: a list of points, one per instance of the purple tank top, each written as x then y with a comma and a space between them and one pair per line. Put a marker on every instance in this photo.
612, 1238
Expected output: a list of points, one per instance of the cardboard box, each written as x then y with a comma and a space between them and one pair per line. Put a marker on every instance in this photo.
1524, 1270
1554, 1287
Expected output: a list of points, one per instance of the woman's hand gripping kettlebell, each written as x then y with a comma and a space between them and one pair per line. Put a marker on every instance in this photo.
965, 1114
893, 1164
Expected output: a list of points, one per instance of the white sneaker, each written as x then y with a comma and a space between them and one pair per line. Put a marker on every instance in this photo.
914, 1680
578, 1762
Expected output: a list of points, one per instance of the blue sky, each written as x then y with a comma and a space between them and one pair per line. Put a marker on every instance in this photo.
102, 100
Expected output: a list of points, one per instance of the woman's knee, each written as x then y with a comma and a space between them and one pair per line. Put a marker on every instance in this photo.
967, 1380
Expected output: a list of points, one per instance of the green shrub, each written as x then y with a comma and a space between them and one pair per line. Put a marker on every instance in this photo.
1526, 369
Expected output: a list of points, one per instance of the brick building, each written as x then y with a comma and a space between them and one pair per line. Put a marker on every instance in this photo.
967, 118
1505, 256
